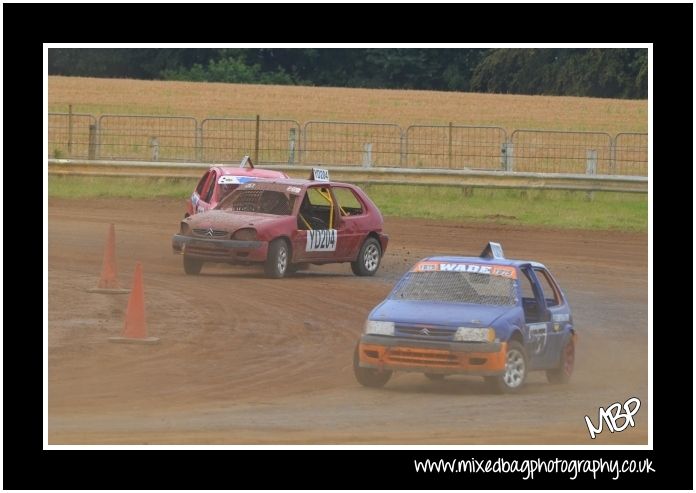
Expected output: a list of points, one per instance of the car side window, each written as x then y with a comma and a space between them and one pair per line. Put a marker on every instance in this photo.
532, 311
551, 293
211, 188
526, 286
201, 184
315, 209
317, 197
349, 204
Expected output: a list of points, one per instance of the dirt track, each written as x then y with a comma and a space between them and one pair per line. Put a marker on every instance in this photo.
248, 360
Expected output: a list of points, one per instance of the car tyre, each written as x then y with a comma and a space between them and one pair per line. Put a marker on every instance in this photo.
369, 377
516, 369
564, 371
192, 266
368, 259
278, 260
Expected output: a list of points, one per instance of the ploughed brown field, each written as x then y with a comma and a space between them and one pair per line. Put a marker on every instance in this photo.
248, 360
204, 100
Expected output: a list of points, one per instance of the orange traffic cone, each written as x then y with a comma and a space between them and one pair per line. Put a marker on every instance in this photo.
135, 329
108, 283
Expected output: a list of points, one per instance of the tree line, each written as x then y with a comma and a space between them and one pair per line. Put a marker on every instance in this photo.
595, 72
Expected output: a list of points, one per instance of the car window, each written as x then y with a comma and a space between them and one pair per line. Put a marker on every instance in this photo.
551, 293
224, 189
210, 187
316, 210
348, 202
263, 201
201, 184
318, 196
526, 286
456, 287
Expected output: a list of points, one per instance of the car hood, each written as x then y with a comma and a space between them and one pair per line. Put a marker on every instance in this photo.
231, 221
445, 314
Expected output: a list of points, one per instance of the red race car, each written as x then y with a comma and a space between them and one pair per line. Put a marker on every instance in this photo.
218, 181
284, 224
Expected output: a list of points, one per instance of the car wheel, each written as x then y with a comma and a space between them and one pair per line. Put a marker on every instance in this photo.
435, 377
369, 377
368, 259
564, 371
515, 370
278, 259
192, 266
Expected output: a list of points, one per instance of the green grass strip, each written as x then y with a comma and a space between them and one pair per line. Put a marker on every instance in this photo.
550, 208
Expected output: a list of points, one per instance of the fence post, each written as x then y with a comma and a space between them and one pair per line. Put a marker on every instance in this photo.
509, 156
591, 168
503, 157
292, 140
367, 155
154, 147
256, 140
449, 146
402, 150
69, 130
591, 162
303, 144
199, 143
92, 149
612, 154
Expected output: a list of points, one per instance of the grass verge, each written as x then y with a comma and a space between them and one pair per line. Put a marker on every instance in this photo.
549, 208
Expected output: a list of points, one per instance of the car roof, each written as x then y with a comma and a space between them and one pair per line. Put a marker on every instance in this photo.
255, 172
304, 183
483, 260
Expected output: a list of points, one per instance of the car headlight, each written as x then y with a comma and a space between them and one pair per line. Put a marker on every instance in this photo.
244, 234
379, 328
474, 334
185, 229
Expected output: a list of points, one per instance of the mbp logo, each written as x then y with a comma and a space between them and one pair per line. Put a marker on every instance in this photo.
612, 415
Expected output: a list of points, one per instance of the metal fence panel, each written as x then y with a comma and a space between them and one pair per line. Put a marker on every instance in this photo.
455, 146
229, 139
147, 138
630, 154
560, 152
68, 135
180, 138
351, 143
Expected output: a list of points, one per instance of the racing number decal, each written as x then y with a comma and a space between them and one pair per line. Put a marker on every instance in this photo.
537, 337
321, 240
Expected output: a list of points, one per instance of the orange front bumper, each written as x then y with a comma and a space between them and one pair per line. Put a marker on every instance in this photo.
428, 360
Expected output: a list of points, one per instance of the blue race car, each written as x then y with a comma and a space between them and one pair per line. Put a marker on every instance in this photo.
486, 316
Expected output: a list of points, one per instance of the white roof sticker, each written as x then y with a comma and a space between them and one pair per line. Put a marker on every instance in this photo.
236, 180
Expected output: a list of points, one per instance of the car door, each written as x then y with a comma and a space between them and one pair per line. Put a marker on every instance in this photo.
316, 238
537, 319
559, 315
351, 213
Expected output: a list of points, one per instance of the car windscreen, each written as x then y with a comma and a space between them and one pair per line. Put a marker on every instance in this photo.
257, 200
226, 188
456, 287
